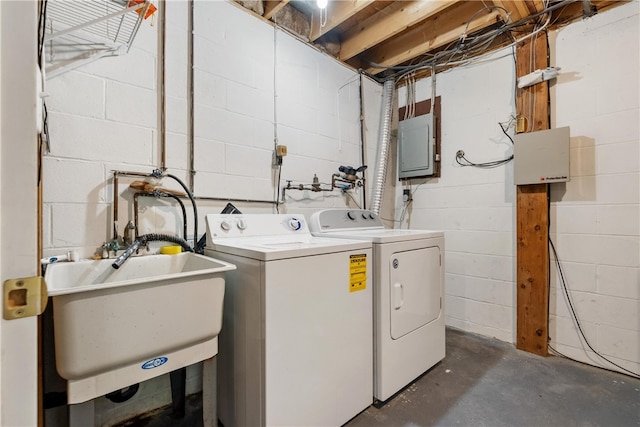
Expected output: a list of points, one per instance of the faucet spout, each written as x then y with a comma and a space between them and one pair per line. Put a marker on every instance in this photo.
126, 254
143, 240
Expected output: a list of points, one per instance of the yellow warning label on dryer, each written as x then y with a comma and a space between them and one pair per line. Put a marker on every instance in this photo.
357, 272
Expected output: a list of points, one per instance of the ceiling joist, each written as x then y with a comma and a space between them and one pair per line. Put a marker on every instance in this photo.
271, 7
336, 14
388, 23
420, 41
392, 33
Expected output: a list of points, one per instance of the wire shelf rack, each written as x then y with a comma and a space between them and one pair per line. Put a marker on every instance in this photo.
82, 31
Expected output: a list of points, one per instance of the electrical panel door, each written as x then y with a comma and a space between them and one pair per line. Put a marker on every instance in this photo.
415, 147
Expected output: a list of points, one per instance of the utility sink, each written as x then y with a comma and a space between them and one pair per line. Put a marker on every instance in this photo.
114, 328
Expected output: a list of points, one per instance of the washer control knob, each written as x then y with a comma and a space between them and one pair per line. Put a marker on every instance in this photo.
351, 216
371, 216
295, 224
225, 225
364, 216
241, 223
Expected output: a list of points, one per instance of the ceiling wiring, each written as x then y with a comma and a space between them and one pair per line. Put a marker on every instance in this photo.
462, 160
469, 48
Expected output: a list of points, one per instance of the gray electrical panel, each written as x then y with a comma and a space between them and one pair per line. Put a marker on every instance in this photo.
541, 157
415, 147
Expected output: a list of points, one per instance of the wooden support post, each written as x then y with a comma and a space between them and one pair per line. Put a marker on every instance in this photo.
532, 211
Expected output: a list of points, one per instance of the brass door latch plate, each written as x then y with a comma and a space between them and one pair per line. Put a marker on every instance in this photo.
24, 297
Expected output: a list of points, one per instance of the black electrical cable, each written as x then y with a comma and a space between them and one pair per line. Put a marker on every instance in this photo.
41, 30
463, 161
570, 304
42, 22
575, 319
505, 132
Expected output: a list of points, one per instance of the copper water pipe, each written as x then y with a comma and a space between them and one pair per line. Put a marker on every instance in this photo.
116, 195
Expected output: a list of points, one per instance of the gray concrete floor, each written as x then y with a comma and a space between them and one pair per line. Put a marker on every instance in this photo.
486, 382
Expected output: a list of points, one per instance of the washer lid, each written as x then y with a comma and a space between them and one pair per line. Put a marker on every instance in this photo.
271, 248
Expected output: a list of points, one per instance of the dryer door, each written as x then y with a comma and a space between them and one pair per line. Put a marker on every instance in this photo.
415, 289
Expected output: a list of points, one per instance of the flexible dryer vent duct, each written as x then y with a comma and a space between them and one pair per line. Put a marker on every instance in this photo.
384, 137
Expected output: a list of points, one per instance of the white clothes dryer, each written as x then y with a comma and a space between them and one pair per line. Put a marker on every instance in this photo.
296, 345
408, 283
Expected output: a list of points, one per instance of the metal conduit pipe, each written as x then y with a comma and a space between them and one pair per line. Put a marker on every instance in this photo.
384, 137
191, 97
227, 199
162, 96
363, 139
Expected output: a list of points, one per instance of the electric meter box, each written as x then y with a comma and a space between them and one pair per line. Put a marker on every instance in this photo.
415, 147
541, 157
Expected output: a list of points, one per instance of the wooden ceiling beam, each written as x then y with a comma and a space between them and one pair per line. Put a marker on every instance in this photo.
387, 23
337, 13
538, 5
271, 7
510, 7
522, 8
421, 40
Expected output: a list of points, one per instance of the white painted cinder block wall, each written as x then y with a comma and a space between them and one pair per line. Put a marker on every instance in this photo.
104, 117
474, 206
595, 218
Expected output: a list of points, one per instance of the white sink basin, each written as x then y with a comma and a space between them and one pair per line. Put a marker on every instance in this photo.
114, 328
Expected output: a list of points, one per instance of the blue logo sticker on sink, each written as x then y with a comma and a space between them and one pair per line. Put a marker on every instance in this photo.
154, 363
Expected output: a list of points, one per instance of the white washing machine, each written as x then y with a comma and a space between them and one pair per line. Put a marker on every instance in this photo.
408, 282
296, 345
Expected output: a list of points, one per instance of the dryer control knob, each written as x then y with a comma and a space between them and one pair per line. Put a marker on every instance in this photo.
242, 224
225, 225
351, 216
295, 224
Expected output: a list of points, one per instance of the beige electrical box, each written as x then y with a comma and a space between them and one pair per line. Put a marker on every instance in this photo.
541, 157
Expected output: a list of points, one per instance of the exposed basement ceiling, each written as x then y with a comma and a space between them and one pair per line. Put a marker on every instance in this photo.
377, 35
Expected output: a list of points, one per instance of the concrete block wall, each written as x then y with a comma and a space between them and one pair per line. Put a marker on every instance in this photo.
247, 78
475, 207
104, 117
595, 218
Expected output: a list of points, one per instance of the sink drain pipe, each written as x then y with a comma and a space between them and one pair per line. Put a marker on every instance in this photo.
124, 394
384, 137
